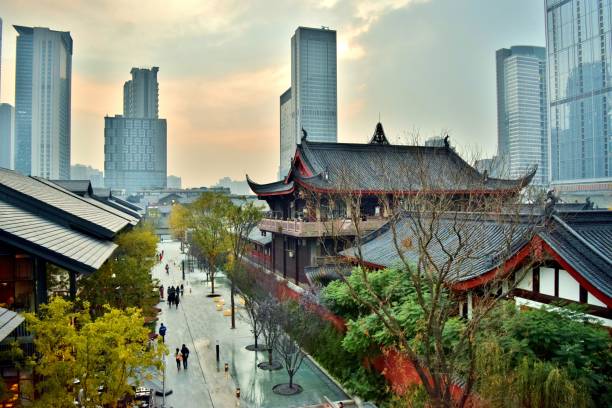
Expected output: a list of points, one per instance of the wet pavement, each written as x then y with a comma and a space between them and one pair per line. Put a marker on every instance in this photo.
198, 324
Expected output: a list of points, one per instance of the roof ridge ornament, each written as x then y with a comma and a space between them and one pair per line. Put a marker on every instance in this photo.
304, 134
379, 136
447, 141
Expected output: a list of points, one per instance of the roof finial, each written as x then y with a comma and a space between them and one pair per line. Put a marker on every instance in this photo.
447, 141
379, 136
304, 134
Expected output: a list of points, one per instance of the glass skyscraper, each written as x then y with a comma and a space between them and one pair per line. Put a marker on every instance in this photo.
43, 80
313, 104
135, 144
579, 45
522, 111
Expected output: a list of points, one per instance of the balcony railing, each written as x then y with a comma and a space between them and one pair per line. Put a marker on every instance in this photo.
335, 227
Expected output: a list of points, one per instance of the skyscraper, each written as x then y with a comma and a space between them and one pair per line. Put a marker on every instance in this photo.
135, 144
141, 94
522, 121
579, 63
313, 105
43, 77
287, 133
7, 136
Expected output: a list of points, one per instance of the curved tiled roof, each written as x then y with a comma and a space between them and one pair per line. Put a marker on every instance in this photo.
485, 243
375, 167
380, 167
277, 187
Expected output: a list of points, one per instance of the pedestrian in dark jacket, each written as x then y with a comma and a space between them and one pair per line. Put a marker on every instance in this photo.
178, 357
170, 298
176, 300
161, 292
162, 332
185, 353
182, 289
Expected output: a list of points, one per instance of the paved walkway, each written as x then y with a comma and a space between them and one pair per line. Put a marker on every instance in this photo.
199, 325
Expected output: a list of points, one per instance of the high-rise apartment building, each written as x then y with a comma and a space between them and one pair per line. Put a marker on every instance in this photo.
135, 144
580, 86
522, 119
43, 77
313, 105
7, 136
141, 94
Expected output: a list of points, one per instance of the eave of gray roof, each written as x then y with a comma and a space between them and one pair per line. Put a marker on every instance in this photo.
57, 243
256, 236
9, 321
41, 195
78, 187
277, 187
375, 167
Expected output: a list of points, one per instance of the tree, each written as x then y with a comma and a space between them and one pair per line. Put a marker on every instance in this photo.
438, 231
179, 222
124, 280
241, 220
208, 219
292, 356
94, 361
272, 315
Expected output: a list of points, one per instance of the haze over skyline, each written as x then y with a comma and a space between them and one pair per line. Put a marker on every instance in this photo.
424, 65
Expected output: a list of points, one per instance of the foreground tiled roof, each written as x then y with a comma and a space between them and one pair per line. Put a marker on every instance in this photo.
38, 194
9, 321
52, 241
256, 236
486, 243
584, 240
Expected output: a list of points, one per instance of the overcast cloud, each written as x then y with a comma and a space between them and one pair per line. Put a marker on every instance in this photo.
423, 65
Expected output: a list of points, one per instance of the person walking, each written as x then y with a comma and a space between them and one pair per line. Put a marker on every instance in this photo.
182, 289
162, 332
176, 300
178, 357
167, 269
185, 353
161, 291
171, 297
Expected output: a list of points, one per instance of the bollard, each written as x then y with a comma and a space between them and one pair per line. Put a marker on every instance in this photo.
217, 350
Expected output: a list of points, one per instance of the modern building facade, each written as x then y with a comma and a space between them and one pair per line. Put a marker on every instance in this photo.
43, 81
174, 182
287, 132
135, 143
134, 153
522, 119
0, 57
84, 172
141, 94
313, 105
7, 136
579, 65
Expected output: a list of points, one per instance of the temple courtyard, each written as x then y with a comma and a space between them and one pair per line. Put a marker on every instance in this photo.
199, 325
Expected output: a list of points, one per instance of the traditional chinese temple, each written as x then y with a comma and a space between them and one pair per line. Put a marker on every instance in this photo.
311, 207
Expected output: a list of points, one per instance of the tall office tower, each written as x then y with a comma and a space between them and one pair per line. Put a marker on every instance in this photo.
43, 77
141, 94
7, 136
0, 57
135, 145
522, 119
287, 133
313, 93
579, 64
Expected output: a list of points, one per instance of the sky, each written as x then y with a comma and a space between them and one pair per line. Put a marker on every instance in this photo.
425, 67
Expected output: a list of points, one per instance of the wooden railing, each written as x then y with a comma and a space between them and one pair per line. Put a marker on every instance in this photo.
336, 227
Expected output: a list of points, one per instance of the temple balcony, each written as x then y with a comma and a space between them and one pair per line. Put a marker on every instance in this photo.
330, 228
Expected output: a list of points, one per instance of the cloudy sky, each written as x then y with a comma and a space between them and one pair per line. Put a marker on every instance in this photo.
425, 66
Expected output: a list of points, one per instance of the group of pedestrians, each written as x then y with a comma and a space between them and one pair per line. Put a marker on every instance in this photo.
174, 295
181, 355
